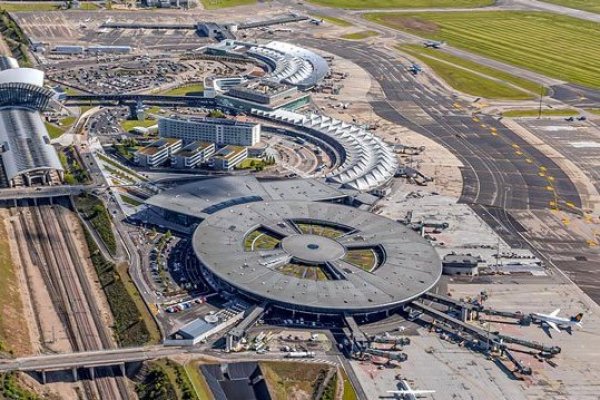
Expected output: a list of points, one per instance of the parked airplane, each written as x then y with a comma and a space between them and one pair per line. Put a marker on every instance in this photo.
415, 69
407, 393
434, 44
555, 322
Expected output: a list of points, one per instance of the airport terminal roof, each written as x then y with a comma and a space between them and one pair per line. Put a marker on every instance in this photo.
25, 142
8, 63
290, 64
369, 162
204, 197
22, 75
407, 265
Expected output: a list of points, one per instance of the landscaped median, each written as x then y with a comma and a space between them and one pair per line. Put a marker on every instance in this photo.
555, 45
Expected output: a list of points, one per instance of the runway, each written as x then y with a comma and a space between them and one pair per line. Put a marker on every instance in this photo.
501, 169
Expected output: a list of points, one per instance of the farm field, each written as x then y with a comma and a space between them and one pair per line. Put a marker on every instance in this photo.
542, 42
372, 4
587, 5
472, 78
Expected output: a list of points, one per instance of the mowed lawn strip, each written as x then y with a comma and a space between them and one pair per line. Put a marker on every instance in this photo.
555, 112
557, 46
372, 4
359, 35
333, 20
586, 5
523, 83
214, 4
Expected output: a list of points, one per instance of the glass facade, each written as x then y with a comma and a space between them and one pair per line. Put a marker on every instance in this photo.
17, 94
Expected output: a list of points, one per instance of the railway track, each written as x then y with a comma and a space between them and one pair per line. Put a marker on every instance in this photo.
53, 250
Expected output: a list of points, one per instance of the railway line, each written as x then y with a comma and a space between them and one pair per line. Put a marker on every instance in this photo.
52, 249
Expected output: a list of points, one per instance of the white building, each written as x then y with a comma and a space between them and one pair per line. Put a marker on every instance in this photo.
193, 154
229, 156
157, 153
213, 130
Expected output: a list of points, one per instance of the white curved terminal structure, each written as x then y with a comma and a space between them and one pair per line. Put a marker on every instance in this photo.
288, 63
27, 155
368, 164
216, 85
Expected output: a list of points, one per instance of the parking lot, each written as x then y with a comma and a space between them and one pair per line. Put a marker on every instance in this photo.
119, 76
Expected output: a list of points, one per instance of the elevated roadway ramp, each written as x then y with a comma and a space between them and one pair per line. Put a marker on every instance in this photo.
40, 192
88, 359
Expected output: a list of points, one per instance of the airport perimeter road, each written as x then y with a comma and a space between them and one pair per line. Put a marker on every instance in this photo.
500, 168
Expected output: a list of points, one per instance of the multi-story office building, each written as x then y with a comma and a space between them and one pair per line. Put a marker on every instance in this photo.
193, 154
229, 156
157, 153
213, 130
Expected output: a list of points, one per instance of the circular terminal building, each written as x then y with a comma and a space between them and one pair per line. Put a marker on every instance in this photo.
315, 257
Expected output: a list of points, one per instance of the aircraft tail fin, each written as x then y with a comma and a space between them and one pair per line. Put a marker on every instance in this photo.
577, 318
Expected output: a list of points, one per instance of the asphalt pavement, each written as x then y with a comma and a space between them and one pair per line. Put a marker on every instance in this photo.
500, 168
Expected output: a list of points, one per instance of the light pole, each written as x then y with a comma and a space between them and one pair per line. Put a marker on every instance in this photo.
541, 98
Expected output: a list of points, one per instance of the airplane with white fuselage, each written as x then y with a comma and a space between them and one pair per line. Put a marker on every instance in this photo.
555, 322
407, 393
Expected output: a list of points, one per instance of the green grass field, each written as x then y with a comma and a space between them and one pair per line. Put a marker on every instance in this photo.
595, 111
13, 327
362, 258
128, 125
372, 4
360, 35
18, 6
333, 20
260, 239
214, 4
185, 90
470, 81
587, 5
557, 46
555, 112
199, 383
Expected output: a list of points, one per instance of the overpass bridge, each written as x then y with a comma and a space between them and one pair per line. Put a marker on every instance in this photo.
191, 101
43, 192
136, 101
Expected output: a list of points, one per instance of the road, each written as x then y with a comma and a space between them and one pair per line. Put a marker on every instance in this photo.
500, 168
88, 359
